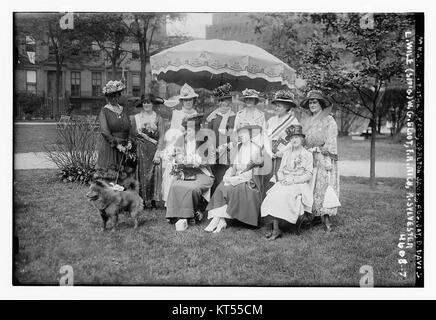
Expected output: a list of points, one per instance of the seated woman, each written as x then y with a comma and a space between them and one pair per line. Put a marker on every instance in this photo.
193, 177
291, 195
238, 196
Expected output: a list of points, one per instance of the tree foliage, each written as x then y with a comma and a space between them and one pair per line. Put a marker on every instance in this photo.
108, 32
353, 59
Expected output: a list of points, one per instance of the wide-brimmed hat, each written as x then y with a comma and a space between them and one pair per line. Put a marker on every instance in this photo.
186, 92
284, 96
294, 130
113, 86
223, 92
197, 118
250, 93
315, 94
149, 98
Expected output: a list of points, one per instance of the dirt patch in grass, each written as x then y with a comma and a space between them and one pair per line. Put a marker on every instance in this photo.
57, 226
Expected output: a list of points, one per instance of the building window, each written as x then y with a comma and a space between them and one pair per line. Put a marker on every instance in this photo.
135, 50
31, 81
75, 83
135, 85
96, 83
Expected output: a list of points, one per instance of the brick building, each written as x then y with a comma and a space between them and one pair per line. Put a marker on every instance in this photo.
84, 72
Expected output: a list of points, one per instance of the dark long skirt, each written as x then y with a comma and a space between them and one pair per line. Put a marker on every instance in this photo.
218, 171
185, 197
149, 174
243, 201
109, 157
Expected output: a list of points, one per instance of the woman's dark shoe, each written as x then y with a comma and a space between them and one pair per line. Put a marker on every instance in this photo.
172, 220
316, 221
198, 216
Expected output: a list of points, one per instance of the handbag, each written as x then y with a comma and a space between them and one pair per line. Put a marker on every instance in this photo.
330, 198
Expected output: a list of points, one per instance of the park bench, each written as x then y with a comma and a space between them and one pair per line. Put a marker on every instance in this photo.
63, 121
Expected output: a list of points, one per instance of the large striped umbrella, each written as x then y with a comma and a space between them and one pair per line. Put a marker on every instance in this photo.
209, 63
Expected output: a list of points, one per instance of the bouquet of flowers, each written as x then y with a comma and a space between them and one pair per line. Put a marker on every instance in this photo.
151, 131
297, 161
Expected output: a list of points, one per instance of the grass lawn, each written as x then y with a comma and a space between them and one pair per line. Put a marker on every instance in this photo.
57, 226
32, 138
28, 138
385, 149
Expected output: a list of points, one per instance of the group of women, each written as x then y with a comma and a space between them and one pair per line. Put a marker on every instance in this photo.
230, 166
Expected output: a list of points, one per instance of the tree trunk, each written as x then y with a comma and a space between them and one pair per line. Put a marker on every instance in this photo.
114, 70
142, 75
379, 123
372, 150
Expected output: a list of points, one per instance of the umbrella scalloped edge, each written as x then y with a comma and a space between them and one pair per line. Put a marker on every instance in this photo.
283, 80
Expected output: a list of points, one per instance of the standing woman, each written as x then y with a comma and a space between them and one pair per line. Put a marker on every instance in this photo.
321, 133
114, 128
250, 115
276, 126
221, 122
147, 130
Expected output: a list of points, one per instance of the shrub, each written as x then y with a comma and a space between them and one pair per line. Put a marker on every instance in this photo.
74, 152
28, 103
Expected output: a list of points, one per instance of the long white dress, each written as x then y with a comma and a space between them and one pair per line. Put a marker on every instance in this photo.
288, 202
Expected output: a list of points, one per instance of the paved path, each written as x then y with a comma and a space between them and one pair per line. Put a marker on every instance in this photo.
37, 160
36, 123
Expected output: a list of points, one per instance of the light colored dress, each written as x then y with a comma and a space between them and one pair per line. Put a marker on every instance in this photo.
256, 117
288, 202
321, 131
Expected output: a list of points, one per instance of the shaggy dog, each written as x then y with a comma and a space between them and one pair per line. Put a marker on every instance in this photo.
111, 203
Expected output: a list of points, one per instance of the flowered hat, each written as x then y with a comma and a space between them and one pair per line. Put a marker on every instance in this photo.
250, 93
113, 86
197, 118
223, 92
186, 92
294, 130
284, 96
316, 94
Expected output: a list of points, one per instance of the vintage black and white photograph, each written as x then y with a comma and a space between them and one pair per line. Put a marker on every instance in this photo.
242, 149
